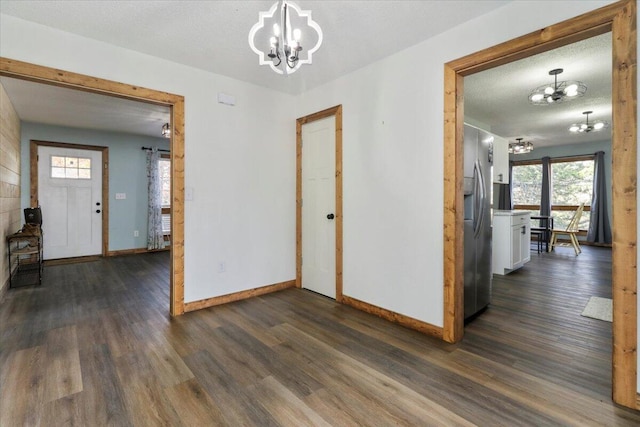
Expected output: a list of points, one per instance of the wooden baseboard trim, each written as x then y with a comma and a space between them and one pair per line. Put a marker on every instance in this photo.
237, 296
638, 401
135, 251
392, 316
74, 260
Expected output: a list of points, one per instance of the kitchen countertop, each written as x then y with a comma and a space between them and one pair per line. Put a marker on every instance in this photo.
509, 213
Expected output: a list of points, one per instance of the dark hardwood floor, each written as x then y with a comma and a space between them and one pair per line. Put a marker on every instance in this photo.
94, 346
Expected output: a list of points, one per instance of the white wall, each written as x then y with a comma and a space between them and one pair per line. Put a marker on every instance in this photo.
240, 161
393, 158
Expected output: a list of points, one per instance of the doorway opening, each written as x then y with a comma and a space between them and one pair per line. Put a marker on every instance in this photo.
175, 103
620, 19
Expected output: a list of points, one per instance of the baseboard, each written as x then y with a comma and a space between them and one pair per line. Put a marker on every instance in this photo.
237, 296
73, 260
136, 251
392, 316
638, 401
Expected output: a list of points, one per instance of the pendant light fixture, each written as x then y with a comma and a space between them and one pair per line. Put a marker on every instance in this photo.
281, 49
558, 91
166, 130
520, 147
588, 127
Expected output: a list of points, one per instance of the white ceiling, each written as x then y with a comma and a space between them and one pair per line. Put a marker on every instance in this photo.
213, 35
53, 105
498, 98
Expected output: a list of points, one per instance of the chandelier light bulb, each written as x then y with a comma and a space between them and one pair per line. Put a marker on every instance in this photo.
276, 30
297, 34
548, 90
571, 90
574, 128
598, 126
537, 97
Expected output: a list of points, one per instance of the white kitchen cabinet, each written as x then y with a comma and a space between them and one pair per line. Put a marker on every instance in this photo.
500, 160
511, 240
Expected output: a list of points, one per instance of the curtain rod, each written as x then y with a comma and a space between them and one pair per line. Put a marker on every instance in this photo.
159, 149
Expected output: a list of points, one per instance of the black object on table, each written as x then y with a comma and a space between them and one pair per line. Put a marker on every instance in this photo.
544, 228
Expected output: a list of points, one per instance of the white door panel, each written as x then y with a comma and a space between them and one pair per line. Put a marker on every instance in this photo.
71, 206
318, 195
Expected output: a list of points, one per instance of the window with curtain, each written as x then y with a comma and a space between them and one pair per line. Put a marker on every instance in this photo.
571, 184
164, 172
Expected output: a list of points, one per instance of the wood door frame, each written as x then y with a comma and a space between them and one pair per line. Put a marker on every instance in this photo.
337, 113
33, 176
61, 78
619, 19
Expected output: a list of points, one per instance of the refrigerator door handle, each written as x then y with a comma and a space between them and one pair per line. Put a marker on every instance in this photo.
479, 197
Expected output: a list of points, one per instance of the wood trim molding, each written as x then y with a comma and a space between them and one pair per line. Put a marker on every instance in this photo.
135, 251
237, 296
337, 113
46, 75
33, 176
619, 18
392, 316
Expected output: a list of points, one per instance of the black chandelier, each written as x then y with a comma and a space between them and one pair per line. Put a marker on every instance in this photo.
588, 127
558, 92
520, 147
166, 130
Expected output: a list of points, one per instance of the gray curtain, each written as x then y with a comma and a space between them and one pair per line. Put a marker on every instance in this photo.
545, 197
599, 228
504, 192
155, 238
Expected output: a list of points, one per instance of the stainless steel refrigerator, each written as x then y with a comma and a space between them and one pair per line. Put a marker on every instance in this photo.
477, 220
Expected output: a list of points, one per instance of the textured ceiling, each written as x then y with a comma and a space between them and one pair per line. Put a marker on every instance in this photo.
497, 99
53, 105
212, 35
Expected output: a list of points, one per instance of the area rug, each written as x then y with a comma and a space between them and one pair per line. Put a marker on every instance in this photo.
599, 308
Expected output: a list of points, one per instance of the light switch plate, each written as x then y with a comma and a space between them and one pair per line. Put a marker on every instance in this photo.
121, 196
188, 193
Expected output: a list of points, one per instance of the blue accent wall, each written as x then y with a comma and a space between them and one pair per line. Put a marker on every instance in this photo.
127, 174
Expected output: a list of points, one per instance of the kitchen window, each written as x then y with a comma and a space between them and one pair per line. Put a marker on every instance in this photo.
571, 183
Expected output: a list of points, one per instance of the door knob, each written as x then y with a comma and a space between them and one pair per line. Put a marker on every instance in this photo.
97, 210
331, 216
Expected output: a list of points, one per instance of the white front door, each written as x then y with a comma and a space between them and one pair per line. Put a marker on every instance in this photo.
318, 207
70, 195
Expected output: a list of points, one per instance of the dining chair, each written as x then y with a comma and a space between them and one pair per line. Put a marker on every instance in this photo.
571, 231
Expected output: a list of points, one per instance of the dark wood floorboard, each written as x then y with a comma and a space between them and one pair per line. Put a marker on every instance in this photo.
94, 345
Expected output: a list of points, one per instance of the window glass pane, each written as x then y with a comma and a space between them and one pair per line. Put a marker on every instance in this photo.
527, 184
84, 173
71, 173
57, 173
164, 166
84, 163
57, 161
71, 162
572, 182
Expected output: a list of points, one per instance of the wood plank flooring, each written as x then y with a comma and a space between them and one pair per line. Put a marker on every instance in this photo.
94, 345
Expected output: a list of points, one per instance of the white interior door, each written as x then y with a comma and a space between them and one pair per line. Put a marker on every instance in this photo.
70, 195
318, 207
